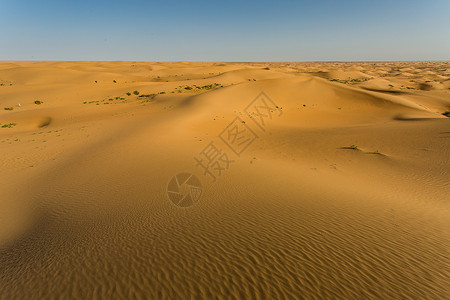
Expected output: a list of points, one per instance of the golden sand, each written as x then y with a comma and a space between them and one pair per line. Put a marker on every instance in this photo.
342, 194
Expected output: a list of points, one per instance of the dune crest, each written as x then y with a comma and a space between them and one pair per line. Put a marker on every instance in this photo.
342, 192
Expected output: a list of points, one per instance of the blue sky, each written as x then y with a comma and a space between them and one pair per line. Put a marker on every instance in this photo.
195, 30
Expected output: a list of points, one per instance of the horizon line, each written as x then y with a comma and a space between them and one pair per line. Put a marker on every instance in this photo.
224, 61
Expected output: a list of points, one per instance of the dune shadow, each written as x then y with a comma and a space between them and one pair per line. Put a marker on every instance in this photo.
394, 92
44, 122
406, 118
36, 233
376, 153
446, 134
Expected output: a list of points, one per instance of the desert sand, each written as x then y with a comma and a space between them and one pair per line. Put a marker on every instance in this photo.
343, 192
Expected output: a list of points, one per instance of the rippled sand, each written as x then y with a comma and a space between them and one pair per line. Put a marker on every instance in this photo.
342, 194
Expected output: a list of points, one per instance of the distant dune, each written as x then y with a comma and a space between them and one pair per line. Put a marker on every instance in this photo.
337, 189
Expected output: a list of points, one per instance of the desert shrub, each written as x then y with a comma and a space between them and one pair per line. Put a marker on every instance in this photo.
10, 125
147, 96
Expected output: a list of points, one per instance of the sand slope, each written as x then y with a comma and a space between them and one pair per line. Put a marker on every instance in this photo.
299, 214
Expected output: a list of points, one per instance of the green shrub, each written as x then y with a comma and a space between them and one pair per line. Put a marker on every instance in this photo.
10, 125
136, 93
37, 102
147, 96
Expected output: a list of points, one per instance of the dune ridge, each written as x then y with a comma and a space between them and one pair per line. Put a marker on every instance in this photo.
344, 194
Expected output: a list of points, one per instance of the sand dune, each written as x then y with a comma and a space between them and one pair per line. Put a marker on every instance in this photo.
343, 194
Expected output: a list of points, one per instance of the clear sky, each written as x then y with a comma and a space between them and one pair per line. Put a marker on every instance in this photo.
197, 30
